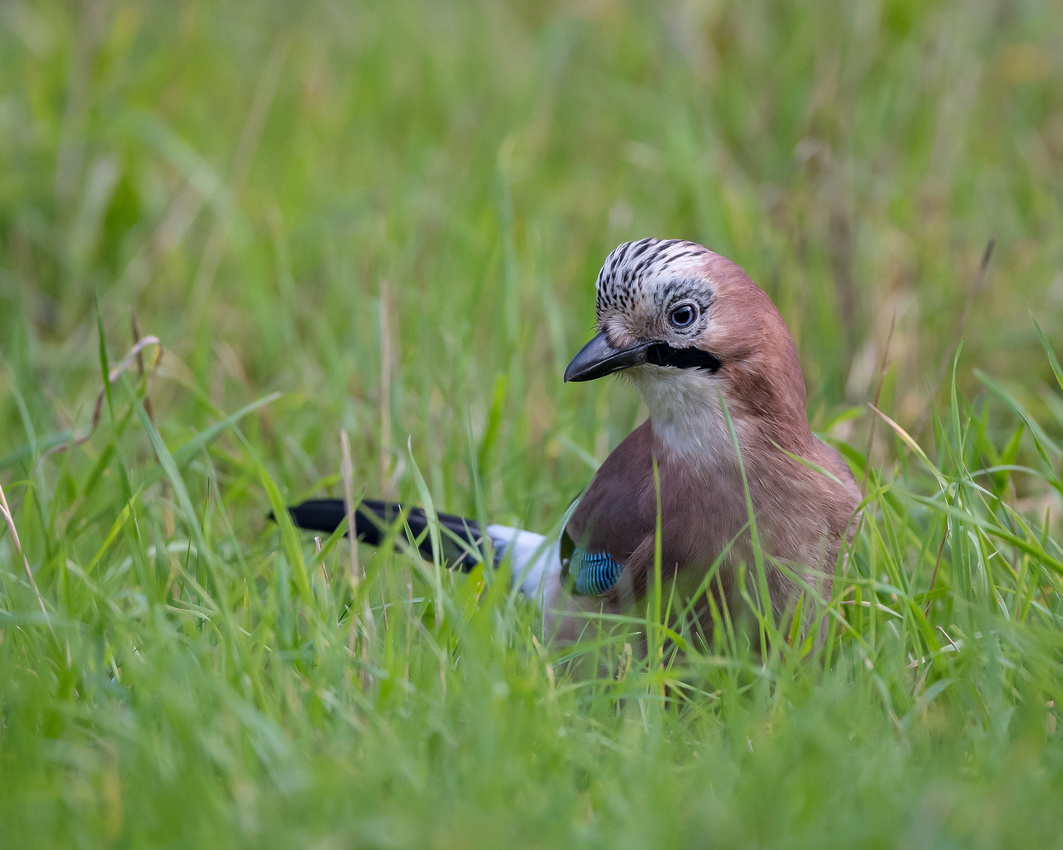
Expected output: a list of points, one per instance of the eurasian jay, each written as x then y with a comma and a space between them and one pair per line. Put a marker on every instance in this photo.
725, 463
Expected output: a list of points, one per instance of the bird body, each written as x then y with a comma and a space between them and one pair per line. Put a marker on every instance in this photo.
725, 463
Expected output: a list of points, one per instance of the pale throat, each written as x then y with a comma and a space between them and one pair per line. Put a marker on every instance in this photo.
686, 412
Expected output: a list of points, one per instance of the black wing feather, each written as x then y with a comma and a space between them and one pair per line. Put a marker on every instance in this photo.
374, 519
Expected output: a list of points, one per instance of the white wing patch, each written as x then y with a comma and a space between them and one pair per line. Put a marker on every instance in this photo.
536, 561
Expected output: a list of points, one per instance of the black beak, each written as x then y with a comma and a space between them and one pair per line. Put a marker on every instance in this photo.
598, 358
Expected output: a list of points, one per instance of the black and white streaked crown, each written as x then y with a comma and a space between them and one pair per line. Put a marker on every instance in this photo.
622, 280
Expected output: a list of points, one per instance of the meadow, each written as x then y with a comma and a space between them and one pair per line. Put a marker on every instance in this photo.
277, 223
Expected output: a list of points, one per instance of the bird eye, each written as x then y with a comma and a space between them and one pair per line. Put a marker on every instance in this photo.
683, 316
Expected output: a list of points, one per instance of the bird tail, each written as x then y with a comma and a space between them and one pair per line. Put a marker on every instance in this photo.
463, 541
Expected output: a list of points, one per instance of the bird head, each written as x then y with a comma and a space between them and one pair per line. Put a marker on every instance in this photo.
691, 330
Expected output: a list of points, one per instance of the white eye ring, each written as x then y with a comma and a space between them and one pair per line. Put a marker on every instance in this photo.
683, 316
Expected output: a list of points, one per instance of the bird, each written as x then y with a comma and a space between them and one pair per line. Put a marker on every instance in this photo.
724, 475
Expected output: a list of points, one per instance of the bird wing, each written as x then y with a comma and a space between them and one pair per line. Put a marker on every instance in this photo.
608, 532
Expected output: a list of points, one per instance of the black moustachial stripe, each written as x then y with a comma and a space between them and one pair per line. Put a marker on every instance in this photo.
662, 354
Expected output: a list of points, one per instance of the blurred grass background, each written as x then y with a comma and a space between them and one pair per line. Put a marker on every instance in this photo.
393, 215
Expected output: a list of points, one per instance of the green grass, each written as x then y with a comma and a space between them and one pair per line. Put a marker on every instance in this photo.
387, 218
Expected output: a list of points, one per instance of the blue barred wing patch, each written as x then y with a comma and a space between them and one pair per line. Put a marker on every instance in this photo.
595, 572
